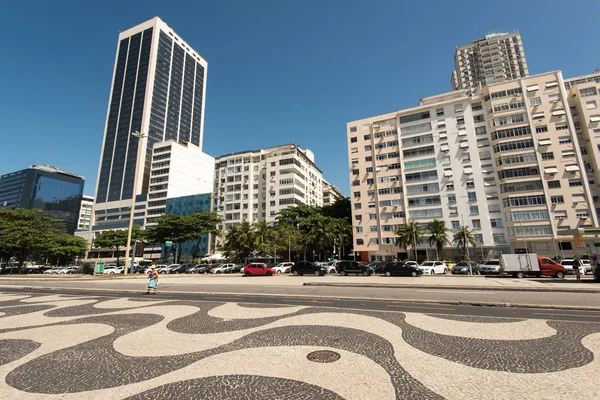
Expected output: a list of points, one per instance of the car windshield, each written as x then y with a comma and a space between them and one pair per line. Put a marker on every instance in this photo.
427, 264
491, 263
567, 262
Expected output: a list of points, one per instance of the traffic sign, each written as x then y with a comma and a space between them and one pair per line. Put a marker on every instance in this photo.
168, 243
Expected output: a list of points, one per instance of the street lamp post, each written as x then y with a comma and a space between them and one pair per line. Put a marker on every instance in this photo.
139, 136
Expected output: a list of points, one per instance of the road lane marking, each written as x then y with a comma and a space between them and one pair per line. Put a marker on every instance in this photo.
424, 307
452, 290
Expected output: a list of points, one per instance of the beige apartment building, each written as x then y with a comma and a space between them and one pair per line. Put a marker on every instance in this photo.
505, 162
331, 193
495, 58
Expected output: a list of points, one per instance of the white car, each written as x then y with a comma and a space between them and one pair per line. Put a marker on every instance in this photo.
111, 271
222, 268
283, 268
164, 269
586, 266
433, 267
412, 264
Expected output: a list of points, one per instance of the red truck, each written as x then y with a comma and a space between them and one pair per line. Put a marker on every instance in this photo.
519, 265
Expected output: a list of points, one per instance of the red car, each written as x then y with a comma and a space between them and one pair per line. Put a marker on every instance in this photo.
258, 269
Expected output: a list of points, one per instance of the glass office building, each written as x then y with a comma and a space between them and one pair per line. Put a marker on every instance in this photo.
45, 188
189, 205
158, 89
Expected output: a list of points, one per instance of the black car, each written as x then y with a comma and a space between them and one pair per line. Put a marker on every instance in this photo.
353, 267
401, 269
465, 267
377, 266
180, 269
306, 267
236, 268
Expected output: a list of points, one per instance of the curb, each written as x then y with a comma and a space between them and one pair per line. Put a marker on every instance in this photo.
301, 297
456, 287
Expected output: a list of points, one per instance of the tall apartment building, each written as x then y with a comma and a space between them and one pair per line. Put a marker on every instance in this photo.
584, 103
158, 89
255, 185
47, 188
177, 170
85, 213
331, 193
495, 58
506, 162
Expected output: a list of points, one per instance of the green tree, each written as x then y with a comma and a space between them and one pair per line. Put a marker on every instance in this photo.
322, 233
463, 238
240, 239
438, 238
343, 234
409, 235
201, 224
24, 232
116, 240
342, 208
65, 247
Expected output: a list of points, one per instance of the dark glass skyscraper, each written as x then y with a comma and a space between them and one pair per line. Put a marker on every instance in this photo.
46, 188
158, 89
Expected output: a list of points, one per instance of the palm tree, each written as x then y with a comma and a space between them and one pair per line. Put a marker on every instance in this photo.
439, 235
322, 232
343, 233
464, 237
409, 235
240, 239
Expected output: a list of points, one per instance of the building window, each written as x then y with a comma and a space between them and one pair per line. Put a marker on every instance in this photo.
372, 216
476, 223
472, 196
535, 101
451, 198
474, 210
356, 194
499, 238
354, 172
557, 199
480, 130
496, 223
439, 111
353, 140
553, 184
360, 242
352, 129
455, 225
547, 156
560, 126
357, 206
541, 129
358, 217
367, 137
359, 229
587, 92
564, 139
575, 182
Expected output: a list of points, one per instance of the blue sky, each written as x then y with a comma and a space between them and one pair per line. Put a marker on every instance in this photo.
279, 71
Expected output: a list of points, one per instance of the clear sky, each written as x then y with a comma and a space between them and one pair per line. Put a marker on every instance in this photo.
279, 71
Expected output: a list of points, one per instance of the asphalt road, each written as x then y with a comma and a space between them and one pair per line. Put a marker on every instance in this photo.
402, 305
287, 291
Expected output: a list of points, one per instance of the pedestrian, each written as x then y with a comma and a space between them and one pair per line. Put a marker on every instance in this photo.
152, 280
576, 266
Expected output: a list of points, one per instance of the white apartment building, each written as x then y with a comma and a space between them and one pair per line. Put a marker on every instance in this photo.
177, 169
331, 193
85, 213
495, 58
256, 185
505, 162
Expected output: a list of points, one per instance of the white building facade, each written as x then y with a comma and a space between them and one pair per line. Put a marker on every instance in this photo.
256, 185
85, 213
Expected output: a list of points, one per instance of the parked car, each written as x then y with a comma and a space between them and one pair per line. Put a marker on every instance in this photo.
179, 269
465, 267
258, 269
164, 269
222, 269
283, 268
586, 266
199, 269
307, 267
433, 267
352, 267
237, 268
490, 267
111, 271
377, 266
400, 268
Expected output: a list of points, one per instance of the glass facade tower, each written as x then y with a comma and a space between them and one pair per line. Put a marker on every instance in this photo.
158, 89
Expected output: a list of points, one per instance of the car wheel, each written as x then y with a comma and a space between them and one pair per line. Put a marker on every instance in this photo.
343, 273
445, 271
247, 274
295, 273
278, 271
560, 275
388, 273
414, 273
218, 272
366, 273
432, 272
520, 275
269, 273
317, 273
